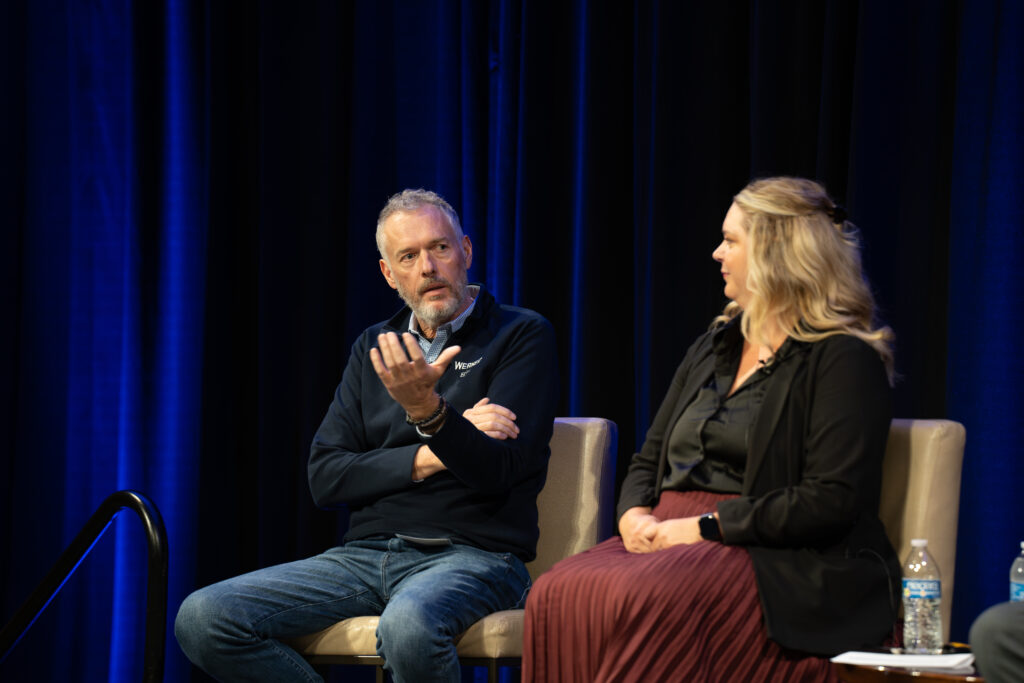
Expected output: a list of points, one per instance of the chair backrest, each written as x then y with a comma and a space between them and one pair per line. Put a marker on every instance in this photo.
921, 493
575, 508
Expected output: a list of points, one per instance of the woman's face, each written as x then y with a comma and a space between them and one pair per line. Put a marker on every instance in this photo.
732, 254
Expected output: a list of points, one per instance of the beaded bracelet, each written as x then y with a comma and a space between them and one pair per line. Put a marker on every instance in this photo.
434, 417
431, 427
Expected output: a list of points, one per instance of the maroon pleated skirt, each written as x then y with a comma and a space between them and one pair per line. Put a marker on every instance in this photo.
687, 613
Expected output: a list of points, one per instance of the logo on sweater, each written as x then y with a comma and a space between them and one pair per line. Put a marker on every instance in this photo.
464, 368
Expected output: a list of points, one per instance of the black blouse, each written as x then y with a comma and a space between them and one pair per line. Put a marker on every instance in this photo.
707, 447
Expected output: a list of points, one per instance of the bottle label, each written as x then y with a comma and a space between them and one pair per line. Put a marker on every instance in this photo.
1016, 592
921, 588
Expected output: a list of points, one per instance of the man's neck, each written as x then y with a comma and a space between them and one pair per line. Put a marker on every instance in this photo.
428, 332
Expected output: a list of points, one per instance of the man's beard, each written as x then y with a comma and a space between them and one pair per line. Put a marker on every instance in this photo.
429, 314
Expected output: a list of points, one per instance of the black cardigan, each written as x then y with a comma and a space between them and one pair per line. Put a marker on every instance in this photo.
827, 576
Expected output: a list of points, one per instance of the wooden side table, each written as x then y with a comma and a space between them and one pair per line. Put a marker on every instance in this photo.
856, 673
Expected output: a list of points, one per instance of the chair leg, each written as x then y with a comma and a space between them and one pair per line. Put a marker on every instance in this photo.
380, 673
492, 672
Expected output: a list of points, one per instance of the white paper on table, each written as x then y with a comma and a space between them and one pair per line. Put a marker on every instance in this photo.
954, 662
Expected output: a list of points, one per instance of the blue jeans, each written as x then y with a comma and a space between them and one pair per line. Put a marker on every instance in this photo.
425, 596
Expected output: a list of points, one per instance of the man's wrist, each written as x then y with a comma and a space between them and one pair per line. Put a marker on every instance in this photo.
425, 464
434, 426
428, 411
429, 425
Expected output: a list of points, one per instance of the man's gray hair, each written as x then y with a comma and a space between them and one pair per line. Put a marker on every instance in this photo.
408, 201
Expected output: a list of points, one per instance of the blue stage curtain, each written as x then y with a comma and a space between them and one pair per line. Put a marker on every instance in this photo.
986, 289
189, 192
109, 243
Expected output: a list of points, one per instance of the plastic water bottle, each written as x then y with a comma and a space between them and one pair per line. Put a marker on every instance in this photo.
922, 597
1017, 577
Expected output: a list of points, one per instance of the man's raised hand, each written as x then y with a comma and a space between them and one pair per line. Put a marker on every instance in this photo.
407, 376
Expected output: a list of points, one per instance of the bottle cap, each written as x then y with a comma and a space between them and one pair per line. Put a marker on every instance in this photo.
922, 542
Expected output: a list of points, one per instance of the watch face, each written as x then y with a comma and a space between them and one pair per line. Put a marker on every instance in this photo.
709, 528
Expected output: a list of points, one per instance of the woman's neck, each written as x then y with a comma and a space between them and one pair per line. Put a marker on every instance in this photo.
769, 338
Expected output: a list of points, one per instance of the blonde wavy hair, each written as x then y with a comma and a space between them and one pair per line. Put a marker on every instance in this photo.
804, 268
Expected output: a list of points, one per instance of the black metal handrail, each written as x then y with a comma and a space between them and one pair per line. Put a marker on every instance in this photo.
156, 586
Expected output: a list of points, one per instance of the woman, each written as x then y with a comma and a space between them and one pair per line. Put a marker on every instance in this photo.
750, 544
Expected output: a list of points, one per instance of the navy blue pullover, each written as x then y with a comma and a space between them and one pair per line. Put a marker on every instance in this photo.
362, 454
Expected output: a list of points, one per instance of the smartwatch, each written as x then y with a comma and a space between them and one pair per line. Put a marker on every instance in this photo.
709, 530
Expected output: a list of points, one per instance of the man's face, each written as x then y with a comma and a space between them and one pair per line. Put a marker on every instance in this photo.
427, 265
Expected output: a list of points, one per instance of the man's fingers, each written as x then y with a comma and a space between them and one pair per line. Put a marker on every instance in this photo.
506, 426
503, 412
391, 350
495, 411
446, 357
485, 407
493, 429
395, 352
378, 363
496, 421
505, 431
413, 348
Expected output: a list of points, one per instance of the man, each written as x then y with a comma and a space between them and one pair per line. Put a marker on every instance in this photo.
439, 461
997, 639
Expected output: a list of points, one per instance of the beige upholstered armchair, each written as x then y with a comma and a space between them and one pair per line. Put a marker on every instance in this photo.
921, 493
575, 512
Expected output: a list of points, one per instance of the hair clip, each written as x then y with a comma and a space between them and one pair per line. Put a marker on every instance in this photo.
838, 214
